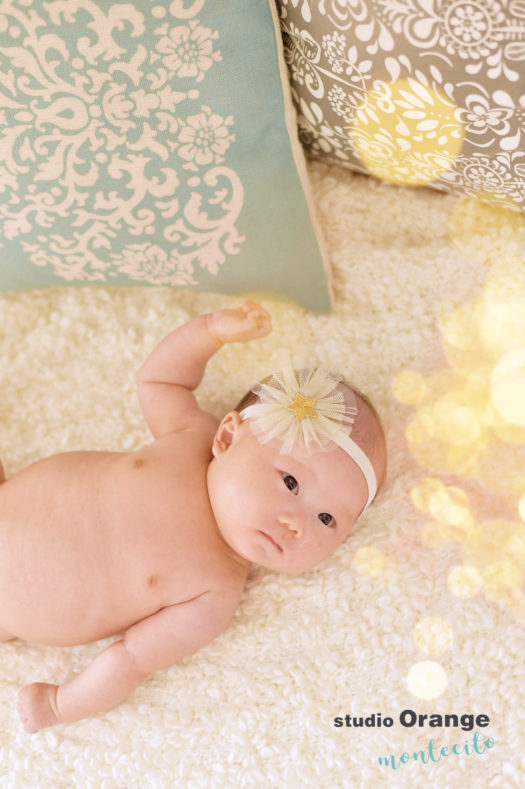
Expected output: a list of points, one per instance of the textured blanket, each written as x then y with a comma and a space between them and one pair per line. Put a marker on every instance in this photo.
399, 661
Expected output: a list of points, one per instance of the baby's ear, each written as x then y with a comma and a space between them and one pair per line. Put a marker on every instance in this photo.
226, 433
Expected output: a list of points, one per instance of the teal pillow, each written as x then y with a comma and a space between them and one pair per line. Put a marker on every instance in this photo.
153, 143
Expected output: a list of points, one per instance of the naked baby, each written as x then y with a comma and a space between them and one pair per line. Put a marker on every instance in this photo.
157, 543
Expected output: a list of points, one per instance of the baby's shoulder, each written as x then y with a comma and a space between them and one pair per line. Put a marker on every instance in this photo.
204, 423
198, 434
203, 426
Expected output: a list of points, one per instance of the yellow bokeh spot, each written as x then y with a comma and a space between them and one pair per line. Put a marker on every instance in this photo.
422, 493
447, 421
486, 542
502, 327
421, 427
456, 423
507, 387
502, 428
407, 132
460, 328
433, 536
463, 459
511, 434
449, 505
483, 228
372, 562
410, 387
498, 577
505, 282
433, 635
514, 547
476, 390
450, 435
427, 680
450, 509
464, 581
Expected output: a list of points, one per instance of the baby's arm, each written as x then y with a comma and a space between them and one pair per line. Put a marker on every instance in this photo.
168, 377
152, 644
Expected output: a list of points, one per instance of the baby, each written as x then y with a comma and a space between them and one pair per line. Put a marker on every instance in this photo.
158, 542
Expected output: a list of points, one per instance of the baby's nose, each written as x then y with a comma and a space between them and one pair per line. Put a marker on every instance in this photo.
292, 523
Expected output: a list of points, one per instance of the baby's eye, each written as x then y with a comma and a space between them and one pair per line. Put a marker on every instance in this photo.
326, 518
291, 483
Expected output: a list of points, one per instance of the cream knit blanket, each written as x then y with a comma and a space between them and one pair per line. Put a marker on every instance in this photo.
421, 600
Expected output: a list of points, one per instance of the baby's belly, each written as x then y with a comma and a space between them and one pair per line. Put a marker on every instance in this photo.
60, 581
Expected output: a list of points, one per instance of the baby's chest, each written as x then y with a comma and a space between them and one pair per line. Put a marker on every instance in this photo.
161, 531
167, 546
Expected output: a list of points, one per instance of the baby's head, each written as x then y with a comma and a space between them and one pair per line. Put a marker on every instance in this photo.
287, 481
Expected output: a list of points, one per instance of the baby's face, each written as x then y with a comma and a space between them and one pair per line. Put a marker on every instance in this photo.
285, 512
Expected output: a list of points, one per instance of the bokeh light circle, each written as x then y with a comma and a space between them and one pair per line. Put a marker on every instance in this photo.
427, 679
433, 635
507, 387
410, 387
373, 562
407, 132
464, 581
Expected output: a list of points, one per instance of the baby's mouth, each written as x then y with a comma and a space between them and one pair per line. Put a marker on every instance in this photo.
269, 537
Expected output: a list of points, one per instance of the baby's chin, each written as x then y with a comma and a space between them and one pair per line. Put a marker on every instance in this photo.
290, 570
281, 565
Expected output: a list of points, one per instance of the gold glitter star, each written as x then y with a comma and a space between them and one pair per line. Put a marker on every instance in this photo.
303, 406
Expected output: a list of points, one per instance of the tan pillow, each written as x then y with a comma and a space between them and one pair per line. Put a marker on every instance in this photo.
413, 92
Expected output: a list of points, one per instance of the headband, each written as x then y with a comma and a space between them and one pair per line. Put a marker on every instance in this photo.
307, 407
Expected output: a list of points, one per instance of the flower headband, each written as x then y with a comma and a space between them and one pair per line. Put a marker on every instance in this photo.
307, 407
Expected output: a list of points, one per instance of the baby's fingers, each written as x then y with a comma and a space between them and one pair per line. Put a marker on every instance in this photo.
260, 329
259, 320
249, 321
249, 306
256, 312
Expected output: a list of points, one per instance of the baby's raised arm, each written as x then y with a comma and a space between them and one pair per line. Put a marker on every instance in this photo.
166, 380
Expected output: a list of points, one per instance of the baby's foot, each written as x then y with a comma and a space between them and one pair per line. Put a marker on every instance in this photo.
37, 706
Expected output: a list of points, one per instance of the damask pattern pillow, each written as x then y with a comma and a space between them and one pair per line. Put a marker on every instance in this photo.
147, 142
413, 91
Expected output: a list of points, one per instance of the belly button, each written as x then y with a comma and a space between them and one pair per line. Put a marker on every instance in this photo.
153, 581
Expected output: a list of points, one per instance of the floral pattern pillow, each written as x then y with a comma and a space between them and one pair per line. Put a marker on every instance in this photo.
413, 91
147, 142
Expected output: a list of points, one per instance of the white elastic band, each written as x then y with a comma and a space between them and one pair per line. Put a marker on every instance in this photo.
364, 464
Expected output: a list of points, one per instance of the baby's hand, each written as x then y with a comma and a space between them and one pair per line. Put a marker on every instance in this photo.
249, 322
37, 706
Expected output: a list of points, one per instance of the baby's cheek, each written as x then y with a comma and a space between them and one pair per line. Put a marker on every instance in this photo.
333, 541
233, 490
322, 546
